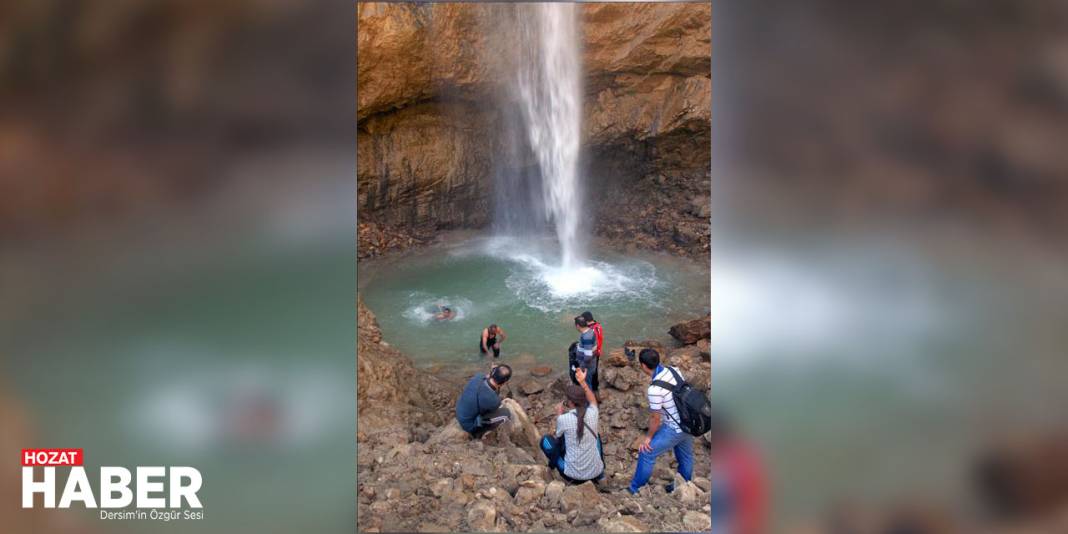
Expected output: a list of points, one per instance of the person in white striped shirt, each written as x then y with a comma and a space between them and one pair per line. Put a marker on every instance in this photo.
664, 431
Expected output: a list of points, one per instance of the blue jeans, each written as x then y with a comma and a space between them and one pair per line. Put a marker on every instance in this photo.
664, 439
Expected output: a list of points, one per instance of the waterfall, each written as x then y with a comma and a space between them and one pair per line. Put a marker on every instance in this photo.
548, 85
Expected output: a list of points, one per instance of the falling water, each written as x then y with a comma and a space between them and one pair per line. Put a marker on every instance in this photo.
548, 84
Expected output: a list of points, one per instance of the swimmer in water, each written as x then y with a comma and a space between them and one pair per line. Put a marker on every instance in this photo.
444, 313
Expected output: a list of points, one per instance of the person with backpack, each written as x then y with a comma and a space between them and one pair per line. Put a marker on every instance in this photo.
598, 332
581, 353
665, 429
574, 448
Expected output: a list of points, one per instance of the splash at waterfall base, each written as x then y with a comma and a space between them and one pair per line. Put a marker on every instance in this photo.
412, 477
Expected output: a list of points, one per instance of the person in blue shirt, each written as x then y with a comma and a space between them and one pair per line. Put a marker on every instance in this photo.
479, 410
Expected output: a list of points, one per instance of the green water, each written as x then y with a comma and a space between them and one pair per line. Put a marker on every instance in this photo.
872, 373
165, 356
510, 283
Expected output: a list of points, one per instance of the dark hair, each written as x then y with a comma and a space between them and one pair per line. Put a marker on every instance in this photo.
577, 396
581, 321
492, 329
649, 358
445, 308
501, 374
588, 316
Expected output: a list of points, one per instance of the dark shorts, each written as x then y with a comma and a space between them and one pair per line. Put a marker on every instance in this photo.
490, 342
490, 420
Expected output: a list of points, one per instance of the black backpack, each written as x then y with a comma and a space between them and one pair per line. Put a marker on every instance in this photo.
695, 410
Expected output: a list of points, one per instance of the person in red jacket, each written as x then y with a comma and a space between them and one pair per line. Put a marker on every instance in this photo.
599, 332
739, 486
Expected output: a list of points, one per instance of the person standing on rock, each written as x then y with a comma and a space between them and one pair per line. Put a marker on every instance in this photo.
479, 410
664, 430
489, 340
574, 448
599, 333
581, 355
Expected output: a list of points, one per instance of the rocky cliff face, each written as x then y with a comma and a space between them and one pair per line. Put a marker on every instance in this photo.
430, 90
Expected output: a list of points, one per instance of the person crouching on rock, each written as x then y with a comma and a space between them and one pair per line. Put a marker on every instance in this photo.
574, 449
479, 410
488, 340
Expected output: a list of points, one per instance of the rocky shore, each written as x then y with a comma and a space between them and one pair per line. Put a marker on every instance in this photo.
415, 475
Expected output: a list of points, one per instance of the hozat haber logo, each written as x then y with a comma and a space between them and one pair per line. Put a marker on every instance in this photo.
154, 493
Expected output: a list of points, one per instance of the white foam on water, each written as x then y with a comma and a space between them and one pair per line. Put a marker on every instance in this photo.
550, 287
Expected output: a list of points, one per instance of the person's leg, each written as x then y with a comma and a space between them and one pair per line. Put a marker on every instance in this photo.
572, 362
684, 456
496, 351
489, 421
662, 441
596, 375
550, 446
590, 374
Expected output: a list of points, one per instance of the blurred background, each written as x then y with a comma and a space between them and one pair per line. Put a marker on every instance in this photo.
889, 262
177, 271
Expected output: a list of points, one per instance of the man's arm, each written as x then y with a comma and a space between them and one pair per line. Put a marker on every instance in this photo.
503, 335
485, 335
654, 425
580, 375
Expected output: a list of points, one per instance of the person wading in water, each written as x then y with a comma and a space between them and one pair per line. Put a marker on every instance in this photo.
491, 339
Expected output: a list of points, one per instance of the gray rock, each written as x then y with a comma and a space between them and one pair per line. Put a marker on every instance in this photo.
582, 496
697, 521
531, 387
482, 517
554, 491
621, 524
529, 492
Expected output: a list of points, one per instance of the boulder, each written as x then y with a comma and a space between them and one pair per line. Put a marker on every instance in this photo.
482, 517
432, 527
697, 521
632, 507
615, 358
529, 492
520, 428
703, 483
554, 491
452, 433
441, 488
542, 370
686, 492
691, 332
624, 523
582, 496
704, 346
530, 387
